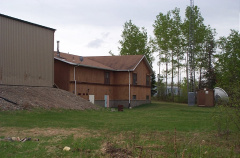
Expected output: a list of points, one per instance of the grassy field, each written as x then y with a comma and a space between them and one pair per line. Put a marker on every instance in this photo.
154, 130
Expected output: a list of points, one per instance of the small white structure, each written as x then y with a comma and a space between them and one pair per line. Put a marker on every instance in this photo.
220, 94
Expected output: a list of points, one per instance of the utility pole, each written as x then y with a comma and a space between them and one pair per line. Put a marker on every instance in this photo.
191, 59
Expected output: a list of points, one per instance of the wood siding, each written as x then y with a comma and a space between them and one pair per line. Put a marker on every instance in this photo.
61, 75
26, 53
141, 90
90, 81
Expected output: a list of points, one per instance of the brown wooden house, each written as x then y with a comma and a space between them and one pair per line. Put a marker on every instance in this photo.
105, 80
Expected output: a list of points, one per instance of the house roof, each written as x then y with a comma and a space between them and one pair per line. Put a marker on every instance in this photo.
9, 17
113, 63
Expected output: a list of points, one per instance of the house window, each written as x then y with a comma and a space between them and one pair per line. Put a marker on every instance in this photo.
134, 97
147, 97
134, 78
107, 78
148, 80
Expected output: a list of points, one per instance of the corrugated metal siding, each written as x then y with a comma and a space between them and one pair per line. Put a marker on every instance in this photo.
26, 54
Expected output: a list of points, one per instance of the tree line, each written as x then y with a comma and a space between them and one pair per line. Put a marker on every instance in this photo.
216, 61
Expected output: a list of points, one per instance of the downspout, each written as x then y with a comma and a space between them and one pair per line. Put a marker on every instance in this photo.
129, 91
75, 82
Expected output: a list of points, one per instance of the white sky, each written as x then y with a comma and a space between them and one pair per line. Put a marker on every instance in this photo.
94, 27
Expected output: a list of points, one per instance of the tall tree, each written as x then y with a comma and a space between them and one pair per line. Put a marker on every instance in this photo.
135, 41
162, 36
176, 44
198, 34
228, 62
209, 78
172, 40
167, 30
228, 73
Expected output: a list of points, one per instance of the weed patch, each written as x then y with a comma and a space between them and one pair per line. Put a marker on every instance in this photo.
155, 130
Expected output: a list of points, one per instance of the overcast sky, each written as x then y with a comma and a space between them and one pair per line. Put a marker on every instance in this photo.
94, 27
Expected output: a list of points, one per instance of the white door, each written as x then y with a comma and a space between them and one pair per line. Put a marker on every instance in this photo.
91, 98
106, 98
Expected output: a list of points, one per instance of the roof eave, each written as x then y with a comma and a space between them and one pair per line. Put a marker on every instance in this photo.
27, 22
148, 65
75, 64
68, 62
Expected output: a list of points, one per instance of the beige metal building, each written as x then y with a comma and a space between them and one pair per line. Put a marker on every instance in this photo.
26, 53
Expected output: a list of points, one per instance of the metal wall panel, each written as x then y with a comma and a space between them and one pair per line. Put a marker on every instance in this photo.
26, 53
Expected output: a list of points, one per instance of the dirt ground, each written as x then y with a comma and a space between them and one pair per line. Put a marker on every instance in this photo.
45, 132
56, 135
22, 97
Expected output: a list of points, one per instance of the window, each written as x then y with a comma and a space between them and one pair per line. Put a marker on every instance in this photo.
148, 80
134, 79
107, 78
134, 97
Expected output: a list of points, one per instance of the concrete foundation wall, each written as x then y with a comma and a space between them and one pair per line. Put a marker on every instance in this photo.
125, 103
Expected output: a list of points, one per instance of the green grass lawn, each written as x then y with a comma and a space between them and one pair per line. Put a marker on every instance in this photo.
144, 131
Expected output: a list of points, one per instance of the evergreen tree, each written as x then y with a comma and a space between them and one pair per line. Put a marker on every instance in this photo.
209, 77
153, 82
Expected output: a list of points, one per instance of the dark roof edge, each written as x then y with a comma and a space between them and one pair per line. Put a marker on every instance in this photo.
6, 16
74, 64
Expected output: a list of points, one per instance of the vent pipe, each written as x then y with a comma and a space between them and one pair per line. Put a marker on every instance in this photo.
58, 53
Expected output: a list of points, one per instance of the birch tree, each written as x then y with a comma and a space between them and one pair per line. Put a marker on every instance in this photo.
162, 36
135, 41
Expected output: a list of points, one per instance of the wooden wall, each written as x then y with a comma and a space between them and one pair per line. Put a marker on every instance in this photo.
142, 71
90, 81
61, 74
141, 90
